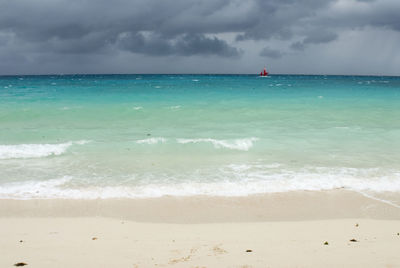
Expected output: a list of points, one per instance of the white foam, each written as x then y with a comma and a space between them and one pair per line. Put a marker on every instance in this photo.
239, 167
81, 142
237, 144
229, 180
58, 188
137, 108
35, 189
152, 140
235, 179
35, 150
175, 107
380, 199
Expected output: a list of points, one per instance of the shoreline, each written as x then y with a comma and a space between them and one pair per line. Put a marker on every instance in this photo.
289, 206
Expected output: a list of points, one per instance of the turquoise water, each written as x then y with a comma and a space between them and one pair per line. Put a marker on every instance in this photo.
106, 136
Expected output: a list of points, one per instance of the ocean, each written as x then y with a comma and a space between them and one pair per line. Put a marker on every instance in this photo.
141, 136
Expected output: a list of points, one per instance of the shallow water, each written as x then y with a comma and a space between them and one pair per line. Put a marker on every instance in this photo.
91, 136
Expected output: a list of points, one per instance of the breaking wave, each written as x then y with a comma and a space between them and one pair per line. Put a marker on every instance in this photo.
238, 144
152, 140
35, 150
235, 180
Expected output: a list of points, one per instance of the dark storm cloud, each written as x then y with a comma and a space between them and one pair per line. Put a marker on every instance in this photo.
318, 37
52, 28
280, 18
297, 46
271, 53
193, 44
185, 45
360, 14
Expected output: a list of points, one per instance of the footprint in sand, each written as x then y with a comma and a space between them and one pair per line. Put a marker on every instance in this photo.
183, 259
218, 250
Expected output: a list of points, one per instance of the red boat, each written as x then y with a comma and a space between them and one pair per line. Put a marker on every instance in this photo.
264, 72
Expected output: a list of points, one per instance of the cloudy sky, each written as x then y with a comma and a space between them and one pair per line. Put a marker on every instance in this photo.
200, 36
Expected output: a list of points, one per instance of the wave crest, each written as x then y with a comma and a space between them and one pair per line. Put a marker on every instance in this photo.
35, 150
238, 144
152, 140
239, 179
60, 188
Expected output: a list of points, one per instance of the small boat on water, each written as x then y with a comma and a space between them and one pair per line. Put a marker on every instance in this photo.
264, 72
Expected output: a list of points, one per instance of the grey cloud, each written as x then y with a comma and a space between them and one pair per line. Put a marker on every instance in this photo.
37, 21
320, 37
93, 26
280, 18
152, 45
183, 28
271, 53
96, 42
297, 45
361, 14
185, 45
317, 37
199, 44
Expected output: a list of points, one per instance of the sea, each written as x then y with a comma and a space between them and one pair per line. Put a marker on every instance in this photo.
146, 136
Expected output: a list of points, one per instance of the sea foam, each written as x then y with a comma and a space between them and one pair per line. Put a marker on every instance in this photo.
152, 140
61, 188
35, 150
237, 144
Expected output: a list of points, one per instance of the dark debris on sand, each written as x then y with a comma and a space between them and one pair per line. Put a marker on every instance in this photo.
20, 264
249, 250
353, 240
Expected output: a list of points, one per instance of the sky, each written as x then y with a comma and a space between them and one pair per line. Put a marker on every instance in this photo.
355, 37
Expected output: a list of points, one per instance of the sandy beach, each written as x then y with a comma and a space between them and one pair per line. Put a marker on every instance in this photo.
200, 134
300, 229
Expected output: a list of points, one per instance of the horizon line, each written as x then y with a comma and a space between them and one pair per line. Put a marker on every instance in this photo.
255, 74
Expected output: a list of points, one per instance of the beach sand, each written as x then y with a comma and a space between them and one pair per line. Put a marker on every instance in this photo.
274, 230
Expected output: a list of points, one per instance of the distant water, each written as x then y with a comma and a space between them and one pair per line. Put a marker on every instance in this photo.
111, 136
